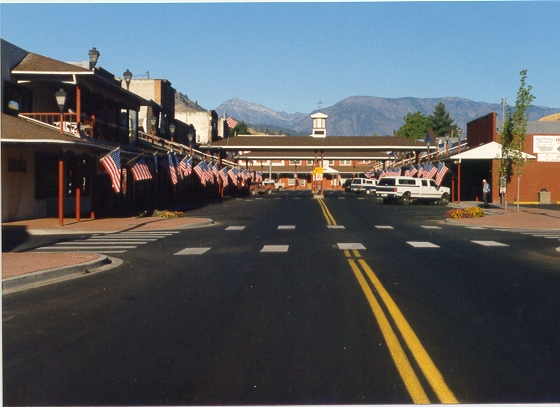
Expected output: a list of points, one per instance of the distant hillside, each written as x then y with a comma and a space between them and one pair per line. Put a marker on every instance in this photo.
367, 115
183, 103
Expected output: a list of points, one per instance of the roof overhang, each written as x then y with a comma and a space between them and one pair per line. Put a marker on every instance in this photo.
489, 151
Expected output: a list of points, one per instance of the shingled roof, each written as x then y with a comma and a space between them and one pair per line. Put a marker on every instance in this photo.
40, 64
340, 143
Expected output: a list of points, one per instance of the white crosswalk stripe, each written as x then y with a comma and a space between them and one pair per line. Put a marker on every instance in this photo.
286, 227
488, 243
192, 250
423, 245
235, 228
275, 248
103, 243
351, 246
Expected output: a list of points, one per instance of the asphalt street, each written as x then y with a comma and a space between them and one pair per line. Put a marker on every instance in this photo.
293, 300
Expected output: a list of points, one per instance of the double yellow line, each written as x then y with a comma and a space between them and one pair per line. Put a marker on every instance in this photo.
411, 381
326, 213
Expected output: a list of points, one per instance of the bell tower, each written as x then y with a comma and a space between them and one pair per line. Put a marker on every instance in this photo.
319, 125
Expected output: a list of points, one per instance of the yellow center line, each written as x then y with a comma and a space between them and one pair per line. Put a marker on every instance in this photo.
326, 213
433, 375
427, 366
406, 371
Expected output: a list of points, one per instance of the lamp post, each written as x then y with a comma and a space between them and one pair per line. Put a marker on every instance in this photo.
190, 137
208, 145
459, 132
93, 57
127, 78
428, 144
61, 101
447, 144
172, 129
153, 121
503, 103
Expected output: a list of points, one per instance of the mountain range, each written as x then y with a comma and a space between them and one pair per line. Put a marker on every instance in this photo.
365, 115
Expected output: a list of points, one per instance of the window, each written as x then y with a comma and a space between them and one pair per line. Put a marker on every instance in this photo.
295, 162
309, 162
291, 182
345, 162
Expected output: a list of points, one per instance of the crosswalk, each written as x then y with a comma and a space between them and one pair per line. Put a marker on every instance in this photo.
345, 245
106, 243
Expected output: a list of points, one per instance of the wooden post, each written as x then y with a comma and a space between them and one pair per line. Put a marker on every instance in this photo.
78, 205
61, 192
459, 183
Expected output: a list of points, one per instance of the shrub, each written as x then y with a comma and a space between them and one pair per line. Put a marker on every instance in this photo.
168, 214
472, 212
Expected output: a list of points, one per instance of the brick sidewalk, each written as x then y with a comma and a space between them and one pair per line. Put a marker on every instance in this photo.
17, 264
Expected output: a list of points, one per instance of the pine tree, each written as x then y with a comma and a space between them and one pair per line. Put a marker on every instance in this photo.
441, 122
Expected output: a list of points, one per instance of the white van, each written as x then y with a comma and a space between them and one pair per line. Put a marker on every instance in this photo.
363, 184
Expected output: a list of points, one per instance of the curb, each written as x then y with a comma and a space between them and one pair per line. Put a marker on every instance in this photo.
38, 277
42, 232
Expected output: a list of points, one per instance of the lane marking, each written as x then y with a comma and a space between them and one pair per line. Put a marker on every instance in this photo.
431, 227
96, 242
383, 227
335, 227
235, 228
274, 248
423, 245
288, 227
192, 250
351, 246
119, 239
488, 243
328, 216
402, 363
431, 372
83, 247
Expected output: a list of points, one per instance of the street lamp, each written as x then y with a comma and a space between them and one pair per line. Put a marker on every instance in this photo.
428, 144
208, 145
172, 129
503, 103
459, 132
153, 121
190, 137
447, 144
61, 101
127, 78
93, 57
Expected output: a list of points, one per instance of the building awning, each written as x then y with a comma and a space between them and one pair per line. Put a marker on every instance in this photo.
490, 151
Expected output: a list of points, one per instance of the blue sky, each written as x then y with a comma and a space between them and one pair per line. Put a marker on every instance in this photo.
290, 56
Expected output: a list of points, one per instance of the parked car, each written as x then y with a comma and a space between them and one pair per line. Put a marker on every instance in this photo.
408, 189
366, 185
277, 186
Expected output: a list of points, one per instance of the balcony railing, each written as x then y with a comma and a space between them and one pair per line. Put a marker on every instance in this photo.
69, 122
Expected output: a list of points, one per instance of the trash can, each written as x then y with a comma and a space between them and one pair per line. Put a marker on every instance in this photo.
544, 197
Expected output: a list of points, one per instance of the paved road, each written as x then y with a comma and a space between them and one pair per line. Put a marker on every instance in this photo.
293, 300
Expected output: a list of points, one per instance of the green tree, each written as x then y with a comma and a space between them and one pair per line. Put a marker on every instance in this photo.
441, 122
240, 128
415, 125
514, 133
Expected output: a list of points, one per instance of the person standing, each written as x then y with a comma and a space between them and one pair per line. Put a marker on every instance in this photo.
485, 192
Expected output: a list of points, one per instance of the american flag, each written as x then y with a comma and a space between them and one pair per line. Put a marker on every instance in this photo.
231, 122
411, 171
429, 170
382, 174
185, 166
208, 172
140, 170
441, 171
223, 176
232, 175
112, 163
397, 171
216, 169
180, 173
171, 168
420, 171
198, 170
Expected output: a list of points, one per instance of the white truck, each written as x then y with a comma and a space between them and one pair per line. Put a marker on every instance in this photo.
363, 184
404, 190
277, 186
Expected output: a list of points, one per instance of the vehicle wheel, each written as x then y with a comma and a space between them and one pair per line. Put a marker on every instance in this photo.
269, 191
368, 191
405, 199
253, 192
444, 199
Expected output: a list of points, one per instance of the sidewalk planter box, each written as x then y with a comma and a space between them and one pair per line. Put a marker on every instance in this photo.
544, 197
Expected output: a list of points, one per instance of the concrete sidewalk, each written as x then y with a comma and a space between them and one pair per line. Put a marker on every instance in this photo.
22, 269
